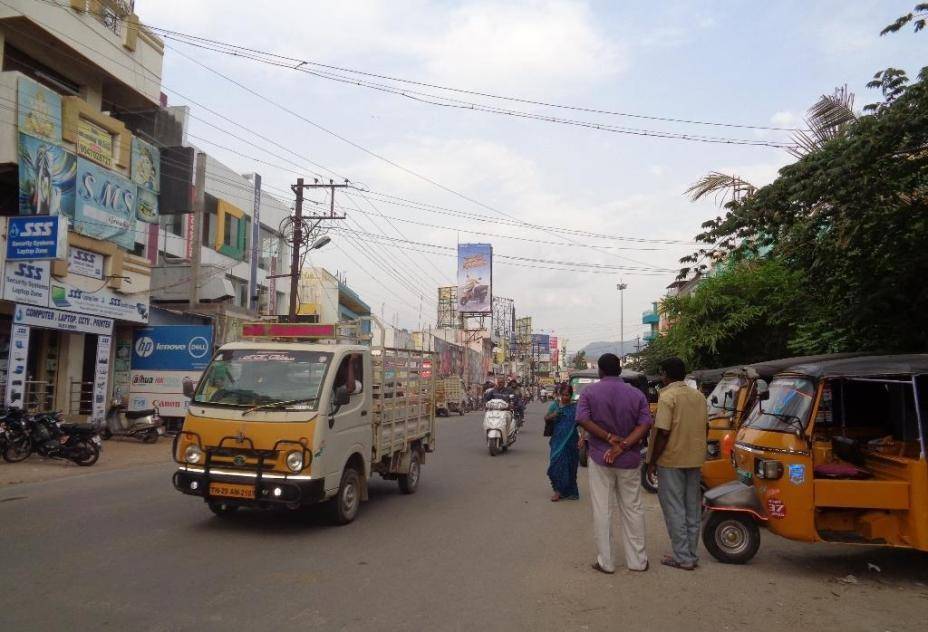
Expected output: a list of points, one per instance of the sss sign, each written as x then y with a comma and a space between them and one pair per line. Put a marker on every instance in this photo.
36, 237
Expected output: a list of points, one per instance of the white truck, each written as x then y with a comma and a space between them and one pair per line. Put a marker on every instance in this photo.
296, 414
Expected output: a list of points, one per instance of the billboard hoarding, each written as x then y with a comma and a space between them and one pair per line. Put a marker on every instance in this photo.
105, 205
32, 237
475, 278
46, 178
172, 348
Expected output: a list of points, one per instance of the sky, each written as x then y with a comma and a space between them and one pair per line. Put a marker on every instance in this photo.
734, 62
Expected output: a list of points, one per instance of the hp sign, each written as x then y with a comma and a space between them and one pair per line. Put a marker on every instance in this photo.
144, 347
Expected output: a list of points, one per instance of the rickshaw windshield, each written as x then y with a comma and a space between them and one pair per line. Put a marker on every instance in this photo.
787, 409
726, 396
264, 377
580, 383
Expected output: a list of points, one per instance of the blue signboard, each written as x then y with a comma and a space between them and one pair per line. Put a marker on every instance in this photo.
172, 348
36, 237
105, 205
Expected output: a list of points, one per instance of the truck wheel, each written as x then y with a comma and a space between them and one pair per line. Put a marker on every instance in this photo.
731, 538
409, 482
345, 505
584, 455
648, 482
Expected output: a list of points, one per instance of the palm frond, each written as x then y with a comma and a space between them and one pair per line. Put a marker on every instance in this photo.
826, 120
723, 186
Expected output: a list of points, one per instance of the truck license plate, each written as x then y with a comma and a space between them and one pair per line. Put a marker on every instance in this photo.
231, 491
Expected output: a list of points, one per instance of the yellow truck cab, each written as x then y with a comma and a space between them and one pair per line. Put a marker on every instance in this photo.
297, 414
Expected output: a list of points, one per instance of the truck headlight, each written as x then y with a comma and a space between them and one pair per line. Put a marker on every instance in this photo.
768, 469
193, 454
295, 461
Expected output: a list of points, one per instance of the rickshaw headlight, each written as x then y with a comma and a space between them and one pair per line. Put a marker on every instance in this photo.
295, 461
713, 449
193, 454
768, 469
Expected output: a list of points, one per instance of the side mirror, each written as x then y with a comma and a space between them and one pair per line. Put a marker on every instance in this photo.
763, 395
188, 387
763, 389
715, 400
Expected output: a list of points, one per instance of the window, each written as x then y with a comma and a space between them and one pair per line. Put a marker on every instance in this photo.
174, 224
350, 374
15, 59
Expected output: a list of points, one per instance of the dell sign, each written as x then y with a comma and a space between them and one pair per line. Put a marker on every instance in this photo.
172, 348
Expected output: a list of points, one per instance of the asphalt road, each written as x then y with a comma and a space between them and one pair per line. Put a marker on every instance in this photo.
478, 547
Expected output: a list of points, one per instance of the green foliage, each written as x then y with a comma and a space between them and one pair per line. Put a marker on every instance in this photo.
743, 314
580, 360
918, 19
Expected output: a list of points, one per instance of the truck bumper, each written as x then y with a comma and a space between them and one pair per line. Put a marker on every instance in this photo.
268, 492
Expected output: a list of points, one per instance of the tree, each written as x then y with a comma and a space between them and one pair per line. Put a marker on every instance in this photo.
917, 17
580, 360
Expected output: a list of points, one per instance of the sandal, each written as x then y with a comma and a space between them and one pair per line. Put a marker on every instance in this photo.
555, 498
672, 563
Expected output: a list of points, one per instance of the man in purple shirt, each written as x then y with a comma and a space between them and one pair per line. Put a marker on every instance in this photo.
616, 419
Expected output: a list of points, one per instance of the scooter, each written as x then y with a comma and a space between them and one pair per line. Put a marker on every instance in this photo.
500, 425
144, 425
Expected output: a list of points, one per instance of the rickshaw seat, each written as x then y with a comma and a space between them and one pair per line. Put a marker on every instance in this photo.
861, 494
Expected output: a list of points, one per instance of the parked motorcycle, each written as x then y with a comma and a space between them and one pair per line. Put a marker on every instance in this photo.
144, 425
15, 440
53, 439
499, 424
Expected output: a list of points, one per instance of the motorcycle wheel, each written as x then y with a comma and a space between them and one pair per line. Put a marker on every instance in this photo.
649, 483
150, 436
495, 446
18, 448
89, 454
106, 434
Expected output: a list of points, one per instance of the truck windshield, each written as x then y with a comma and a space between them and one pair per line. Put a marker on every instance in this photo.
258, 377
726, 396
788, 408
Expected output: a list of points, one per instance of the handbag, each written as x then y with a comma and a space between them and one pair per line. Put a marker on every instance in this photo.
549, 427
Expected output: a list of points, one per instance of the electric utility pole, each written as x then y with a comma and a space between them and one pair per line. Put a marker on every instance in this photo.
621, 286
297, 247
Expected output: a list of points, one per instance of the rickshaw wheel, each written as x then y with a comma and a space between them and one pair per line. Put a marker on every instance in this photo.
731, 538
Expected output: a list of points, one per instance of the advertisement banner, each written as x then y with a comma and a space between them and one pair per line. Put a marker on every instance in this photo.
101, 375
161, 382
46, 178
84, 295
85, 263
33, 237
95, 143
65, 321
541, 343
39, 112
168, 405
475, 278
147, 206
172, 348
105, 205
146, 165
26, 282
16, 366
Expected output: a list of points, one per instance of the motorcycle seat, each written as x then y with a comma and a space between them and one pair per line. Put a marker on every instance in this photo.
71, 427
135, 414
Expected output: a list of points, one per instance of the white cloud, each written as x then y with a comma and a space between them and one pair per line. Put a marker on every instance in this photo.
784, 118
656, 170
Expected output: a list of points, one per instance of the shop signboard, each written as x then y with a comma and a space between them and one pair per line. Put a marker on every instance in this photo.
95, 142
172, 348
105, 205
161, 382
85, 263
100, 377
85, 296
65, 321
34, 237
39, 111
46, 178
26, 282
147, 207
16, 366
475, 278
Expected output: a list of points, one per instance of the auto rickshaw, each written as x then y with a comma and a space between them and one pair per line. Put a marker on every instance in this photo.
729, 403
835, 452
704, 380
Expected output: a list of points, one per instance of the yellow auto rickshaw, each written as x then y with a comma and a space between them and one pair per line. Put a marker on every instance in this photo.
730, 402
834, 452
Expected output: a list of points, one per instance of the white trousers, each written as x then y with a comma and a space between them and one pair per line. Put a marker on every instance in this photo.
615, 487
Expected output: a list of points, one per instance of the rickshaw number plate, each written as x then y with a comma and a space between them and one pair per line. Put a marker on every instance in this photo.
231, 491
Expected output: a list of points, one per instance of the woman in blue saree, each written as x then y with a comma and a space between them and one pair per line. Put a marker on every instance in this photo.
565, 453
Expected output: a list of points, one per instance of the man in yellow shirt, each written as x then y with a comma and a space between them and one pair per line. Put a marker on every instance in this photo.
677, 453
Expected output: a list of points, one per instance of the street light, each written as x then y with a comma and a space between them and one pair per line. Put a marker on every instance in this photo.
620, 286
319, 243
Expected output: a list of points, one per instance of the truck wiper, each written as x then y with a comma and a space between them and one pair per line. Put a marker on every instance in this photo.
787, 418
283, 404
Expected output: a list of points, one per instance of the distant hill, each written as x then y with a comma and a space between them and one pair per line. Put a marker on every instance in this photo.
596, 349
